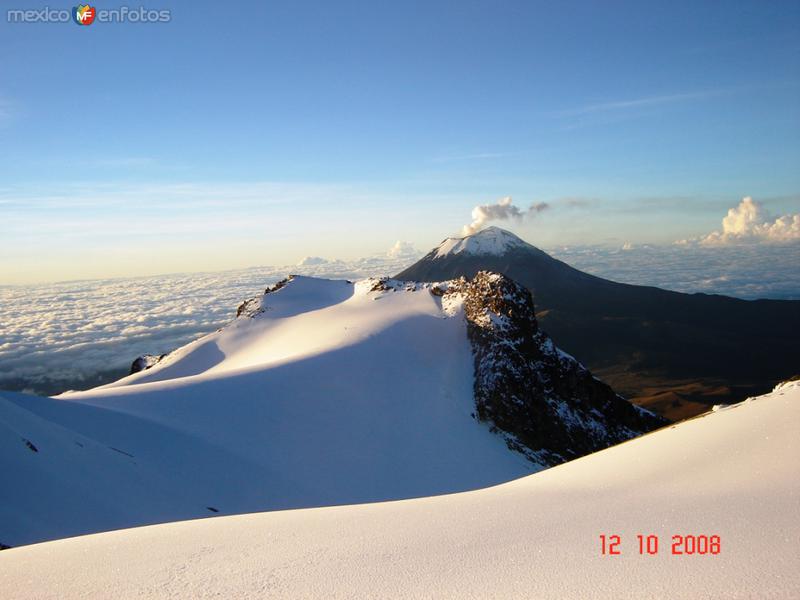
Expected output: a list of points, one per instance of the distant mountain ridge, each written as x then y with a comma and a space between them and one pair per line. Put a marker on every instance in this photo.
678, 353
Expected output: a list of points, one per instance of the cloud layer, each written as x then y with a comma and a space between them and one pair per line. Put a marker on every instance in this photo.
744, 271
503, 210
80, 334
76, 335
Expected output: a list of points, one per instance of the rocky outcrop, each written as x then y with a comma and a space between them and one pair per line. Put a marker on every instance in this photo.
545, 403
254, 306
541, 400
248, 309
642, 337
144, 362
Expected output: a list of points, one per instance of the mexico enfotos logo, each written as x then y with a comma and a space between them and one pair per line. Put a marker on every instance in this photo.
85, 14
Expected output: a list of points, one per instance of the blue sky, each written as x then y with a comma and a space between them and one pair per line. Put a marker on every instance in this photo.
254, 133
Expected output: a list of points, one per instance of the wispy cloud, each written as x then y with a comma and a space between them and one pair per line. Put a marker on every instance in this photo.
575, 202
124, 162
6, 110
632, 103
476, 156
104, 194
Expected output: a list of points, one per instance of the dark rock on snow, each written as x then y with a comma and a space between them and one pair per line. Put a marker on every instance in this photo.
144, 362
544, 402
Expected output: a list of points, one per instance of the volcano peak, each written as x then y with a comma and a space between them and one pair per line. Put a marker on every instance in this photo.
491, 241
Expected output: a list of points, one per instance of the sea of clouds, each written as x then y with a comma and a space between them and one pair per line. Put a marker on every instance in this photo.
79, 334
748, 271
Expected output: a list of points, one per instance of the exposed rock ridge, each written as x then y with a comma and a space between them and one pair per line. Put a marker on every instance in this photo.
541, 400
255, 306
546, 404
145, 361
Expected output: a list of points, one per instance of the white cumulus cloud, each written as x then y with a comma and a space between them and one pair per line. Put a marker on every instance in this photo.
403, 250
312, 260
750, 222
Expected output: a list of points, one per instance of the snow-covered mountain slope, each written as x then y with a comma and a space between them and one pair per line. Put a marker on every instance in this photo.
335, 394
320, 393
492, 241
544, 402
731, 473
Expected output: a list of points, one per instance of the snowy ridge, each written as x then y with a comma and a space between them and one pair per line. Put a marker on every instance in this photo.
335, 393
321, 392
547, 405
492, 241
537, 537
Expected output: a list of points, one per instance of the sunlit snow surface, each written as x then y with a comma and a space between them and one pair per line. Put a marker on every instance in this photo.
335, 394
732, 473
491, 241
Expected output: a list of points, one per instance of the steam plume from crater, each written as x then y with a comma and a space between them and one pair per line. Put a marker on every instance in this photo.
503, 210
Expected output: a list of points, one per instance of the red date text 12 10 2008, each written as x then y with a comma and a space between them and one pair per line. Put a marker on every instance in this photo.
611, 545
